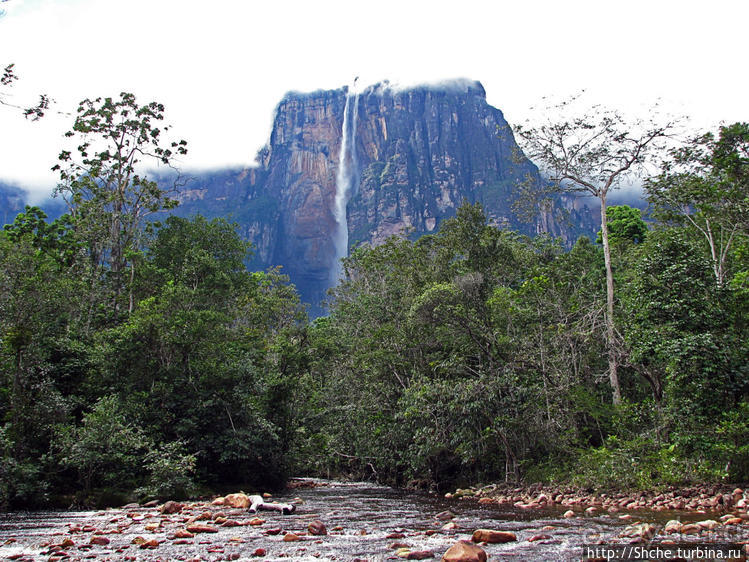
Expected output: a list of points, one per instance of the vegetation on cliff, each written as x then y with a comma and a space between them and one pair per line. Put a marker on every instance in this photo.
143, 358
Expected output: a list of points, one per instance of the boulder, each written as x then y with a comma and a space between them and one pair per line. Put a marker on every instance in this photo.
237, 501
171, 507
464, 551
641, 531
492, 536
317, 528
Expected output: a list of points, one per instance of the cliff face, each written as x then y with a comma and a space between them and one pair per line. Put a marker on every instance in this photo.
12, 201
413, 157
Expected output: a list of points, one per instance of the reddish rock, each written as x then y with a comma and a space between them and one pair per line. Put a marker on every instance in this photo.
259, 552
643, 531
291, 537
218, 501
183, 534
230, 523
317, 527
182, 541
397, 545
419, 555
733, 521
396, 536
492, 536
445, 515
273, 531
153, 543
539, 538
464, 551
238, 501
171, 507
198, 528
568, 514
256, 521
101, 541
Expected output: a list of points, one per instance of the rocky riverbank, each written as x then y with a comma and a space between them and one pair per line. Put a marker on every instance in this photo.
696, 499
360, 521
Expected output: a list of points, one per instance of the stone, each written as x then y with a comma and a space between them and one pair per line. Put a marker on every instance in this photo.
291, 537
259, 552
445, 515
641, 531
420, 555
171, 507
256, 521
568, 514
199, 528
99, 540
152, 503
231, 523
464, 551
492, 536
535, 538
237, 501
317, 528
395, 536
672, 526
733, 521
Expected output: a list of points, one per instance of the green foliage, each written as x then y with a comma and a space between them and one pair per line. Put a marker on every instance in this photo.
105, 450
170, 471
625, 225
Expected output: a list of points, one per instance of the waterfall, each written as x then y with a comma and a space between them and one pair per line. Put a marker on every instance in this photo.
346, 182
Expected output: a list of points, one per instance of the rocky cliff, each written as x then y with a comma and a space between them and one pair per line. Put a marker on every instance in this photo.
413, 156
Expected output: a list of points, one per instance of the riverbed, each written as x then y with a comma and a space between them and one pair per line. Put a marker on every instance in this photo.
363, 521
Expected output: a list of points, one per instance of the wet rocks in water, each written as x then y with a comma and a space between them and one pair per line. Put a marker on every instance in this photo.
492, 536
99, 540
445, 515
568, 514
317, 527
171, 507
237, 501
291, 537
464, 551
641, 531
199, 528
419, 555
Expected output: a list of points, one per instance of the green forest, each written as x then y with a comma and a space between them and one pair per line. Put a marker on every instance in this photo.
139, 358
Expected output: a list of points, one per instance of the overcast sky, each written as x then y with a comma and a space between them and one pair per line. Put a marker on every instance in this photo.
220, 67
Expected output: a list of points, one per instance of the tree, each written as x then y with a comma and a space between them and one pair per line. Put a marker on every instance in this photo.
706, 185
595, 153
625, 224
35, 112
103, 185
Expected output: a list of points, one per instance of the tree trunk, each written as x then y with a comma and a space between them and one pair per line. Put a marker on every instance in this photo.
610, 333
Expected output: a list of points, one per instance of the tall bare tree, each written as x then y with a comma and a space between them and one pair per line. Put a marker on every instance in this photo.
594, 152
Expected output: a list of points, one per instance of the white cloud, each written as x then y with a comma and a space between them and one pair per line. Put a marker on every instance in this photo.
221, 67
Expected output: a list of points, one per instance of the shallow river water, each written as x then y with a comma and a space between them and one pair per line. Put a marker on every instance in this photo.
360, 518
